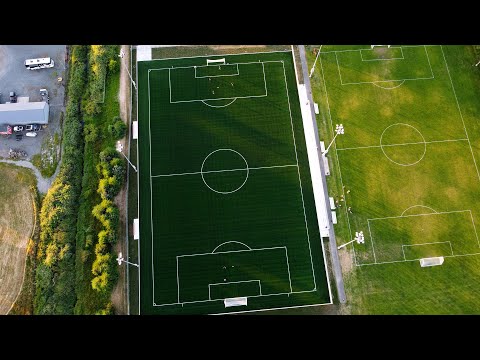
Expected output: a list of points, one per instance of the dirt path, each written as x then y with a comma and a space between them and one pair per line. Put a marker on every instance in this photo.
43, 184
119, 293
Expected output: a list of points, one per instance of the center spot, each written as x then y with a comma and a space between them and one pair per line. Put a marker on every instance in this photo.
224, 171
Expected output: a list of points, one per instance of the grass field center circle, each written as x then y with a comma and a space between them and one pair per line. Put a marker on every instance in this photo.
403, 144
224, 171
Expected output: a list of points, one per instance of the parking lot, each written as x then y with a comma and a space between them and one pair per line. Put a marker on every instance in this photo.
27, 83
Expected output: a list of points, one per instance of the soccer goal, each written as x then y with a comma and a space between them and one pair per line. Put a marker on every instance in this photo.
433, 261
372, 46
216, 61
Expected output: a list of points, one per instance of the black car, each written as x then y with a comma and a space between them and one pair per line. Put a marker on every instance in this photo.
13, 97
33, 127
18, 137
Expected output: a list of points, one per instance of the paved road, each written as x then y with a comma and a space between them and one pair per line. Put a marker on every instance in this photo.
337, 270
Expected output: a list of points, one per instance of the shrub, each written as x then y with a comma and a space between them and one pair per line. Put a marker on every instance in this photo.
113, 66
118, 128
90, 133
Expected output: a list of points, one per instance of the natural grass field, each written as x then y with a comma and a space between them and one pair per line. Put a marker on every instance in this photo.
226, 199
408, 164
16, 227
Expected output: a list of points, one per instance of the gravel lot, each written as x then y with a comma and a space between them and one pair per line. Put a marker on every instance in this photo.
15, 77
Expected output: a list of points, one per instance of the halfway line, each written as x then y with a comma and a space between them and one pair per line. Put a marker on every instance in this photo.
227, 170
403, 144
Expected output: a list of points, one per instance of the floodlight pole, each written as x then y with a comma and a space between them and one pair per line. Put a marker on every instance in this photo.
341, 246
313, 67
478, 63
133, 166
121, 55
339, 130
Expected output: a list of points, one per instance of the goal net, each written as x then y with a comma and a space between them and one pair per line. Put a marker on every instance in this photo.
433, 261
238, 301
216, 61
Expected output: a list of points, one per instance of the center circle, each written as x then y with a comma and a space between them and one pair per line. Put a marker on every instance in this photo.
403, 144
224, 171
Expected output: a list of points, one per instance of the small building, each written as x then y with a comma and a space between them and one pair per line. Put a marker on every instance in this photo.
24, 113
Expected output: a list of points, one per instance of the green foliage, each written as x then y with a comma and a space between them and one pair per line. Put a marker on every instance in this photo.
107, 311
118, 128
97, 233
55, 274
90, 133
113, 66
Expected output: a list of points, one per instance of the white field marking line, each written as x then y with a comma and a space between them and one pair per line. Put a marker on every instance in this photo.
220, 106
373, 244
224, 192
336, 152
252, 296
342, 51
233, 282
132, 94
460, 111
410, 143
288, 268
226, 170
232, 251
399, 163
403, 250
227, 98
475, 228
321, 239
393, 47
430, 243
381, 81
264, 79
220, 55
428, 59
278, 308
194, 66
411, 207
401, 261
151, 201
228, 242
235, 97
338, 68
202, 66
390, 88
299, 178
178, 284
405, 216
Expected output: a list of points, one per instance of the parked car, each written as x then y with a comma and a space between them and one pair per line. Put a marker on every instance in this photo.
31, 134
13, 97
36, 127
18, 128
18, 137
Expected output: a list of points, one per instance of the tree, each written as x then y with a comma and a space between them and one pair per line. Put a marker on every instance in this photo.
90, 133
117, 128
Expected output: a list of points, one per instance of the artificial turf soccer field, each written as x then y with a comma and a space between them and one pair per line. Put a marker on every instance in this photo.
409, 161
226, 200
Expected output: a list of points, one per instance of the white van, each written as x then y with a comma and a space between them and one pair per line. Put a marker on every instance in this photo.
31, 134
